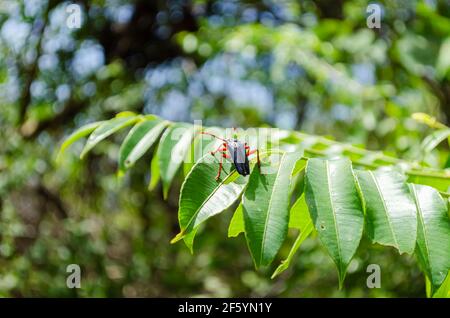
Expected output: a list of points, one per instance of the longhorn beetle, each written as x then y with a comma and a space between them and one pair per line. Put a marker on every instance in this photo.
238, 152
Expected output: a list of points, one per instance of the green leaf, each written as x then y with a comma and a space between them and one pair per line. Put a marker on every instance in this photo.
154, 172
77, 134
335, 207
127, 113
266, 208
433, 234
233, 177
433, 140
189, 240
428, 120
140, 138
299, 166
443, 59
447, 162
298, 242
391, 213
300, 211
298, 182
440, 181
443, 291
237, 226
106, 129
202, 196
189, 162
427, 287
173, 147
299, 218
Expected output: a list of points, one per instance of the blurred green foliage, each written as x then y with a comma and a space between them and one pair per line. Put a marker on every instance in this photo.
304, 65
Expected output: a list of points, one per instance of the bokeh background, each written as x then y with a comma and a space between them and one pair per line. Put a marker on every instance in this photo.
305, 65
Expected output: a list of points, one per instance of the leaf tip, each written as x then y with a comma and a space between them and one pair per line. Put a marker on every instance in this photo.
190, 246
341, 276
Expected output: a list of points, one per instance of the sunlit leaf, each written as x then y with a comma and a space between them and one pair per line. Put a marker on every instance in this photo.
172, 150
299, 215
433, 233
428, 120
390, 209
433, 140
202, 196
189, 240
299, 218
154, 172
443, 59
335, 208
266, 208
76, 135
126, 113
106, 129
439, 181
140, 138
443, 291
237, 226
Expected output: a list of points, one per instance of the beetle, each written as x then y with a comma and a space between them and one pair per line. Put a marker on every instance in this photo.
238, 152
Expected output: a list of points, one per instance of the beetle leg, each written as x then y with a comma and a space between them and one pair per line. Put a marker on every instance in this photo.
222, 147
209, 134
220, 169
224, 151
248, 152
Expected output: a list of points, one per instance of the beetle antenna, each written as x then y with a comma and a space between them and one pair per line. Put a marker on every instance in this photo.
207, 133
